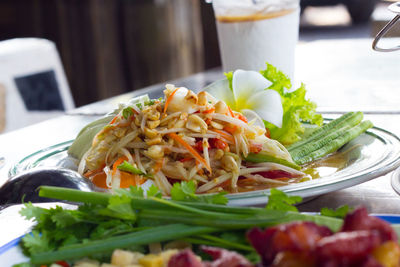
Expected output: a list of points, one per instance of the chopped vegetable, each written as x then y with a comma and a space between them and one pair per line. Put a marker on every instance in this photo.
262, 157
340, 138
192, 151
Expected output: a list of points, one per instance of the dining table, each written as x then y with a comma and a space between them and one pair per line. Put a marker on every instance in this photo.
340, 75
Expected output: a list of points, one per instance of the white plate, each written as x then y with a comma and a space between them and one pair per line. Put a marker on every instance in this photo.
373, 154
396, 181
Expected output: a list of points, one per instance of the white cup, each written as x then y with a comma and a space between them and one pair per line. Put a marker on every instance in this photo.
252, 32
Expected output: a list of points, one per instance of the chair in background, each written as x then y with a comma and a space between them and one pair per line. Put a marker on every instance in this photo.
33, 85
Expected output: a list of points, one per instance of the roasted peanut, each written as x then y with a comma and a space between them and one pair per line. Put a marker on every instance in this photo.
216, 125
179, 124
202, 98
153, 124
221, 107
229, 163
149, 133
154, 152
191, 97
154, 141
196, 124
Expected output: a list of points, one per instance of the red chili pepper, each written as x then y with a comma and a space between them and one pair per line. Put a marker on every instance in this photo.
185, 159
217, 143
198, 146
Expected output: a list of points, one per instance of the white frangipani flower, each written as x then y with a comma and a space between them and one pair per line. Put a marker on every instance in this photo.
249, 93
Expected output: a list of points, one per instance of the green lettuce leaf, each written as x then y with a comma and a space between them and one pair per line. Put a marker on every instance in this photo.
296, 108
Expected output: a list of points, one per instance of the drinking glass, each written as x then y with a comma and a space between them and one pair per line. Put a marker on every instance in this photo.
252, 32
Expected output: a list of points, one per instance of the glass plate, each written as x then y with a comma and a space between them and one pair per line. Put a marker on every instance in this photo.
373, 154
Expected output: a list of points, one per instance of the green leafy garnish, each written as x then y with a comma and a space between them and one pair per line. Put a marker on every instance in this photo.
296, 108
340, 212
278, 200
127, 112
150, 102
139, 105
186, 191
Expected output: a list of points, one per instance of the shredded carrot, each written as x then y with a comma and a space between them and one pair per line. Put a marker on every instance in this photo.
99, 179
118, 162
230, 129
128, 179
231, 112
88, 174
114, 119
158, 166
192, 151
169, 99
211, 110
242, 118
225, 135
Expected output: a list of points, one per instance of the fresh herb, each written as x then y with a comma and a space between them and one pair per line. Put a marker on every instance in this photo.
278, 200
139, 105
186, 191
340, 212
127, 112
150, 102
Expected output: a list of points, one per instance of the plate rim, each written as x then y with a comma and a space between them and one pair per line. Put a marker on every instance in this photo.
305, 189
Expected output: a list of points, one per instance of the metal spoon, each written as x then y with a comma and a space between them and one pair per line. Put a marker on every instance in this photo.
23, 188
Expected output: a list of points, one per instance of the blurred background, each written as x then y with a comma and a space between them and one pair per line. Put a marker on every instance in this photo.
109, 47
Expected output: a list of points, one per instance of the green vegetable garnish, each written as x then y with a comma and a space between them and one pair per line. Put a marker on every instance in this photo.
104, 222
340, 212
278, 200
186, 191
296, 108
262, 157
127, 112
127, 167
335, 139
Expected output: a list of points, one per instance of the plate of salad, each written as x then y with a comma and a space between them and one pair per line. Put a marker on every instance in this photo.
139, 228
242, 135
